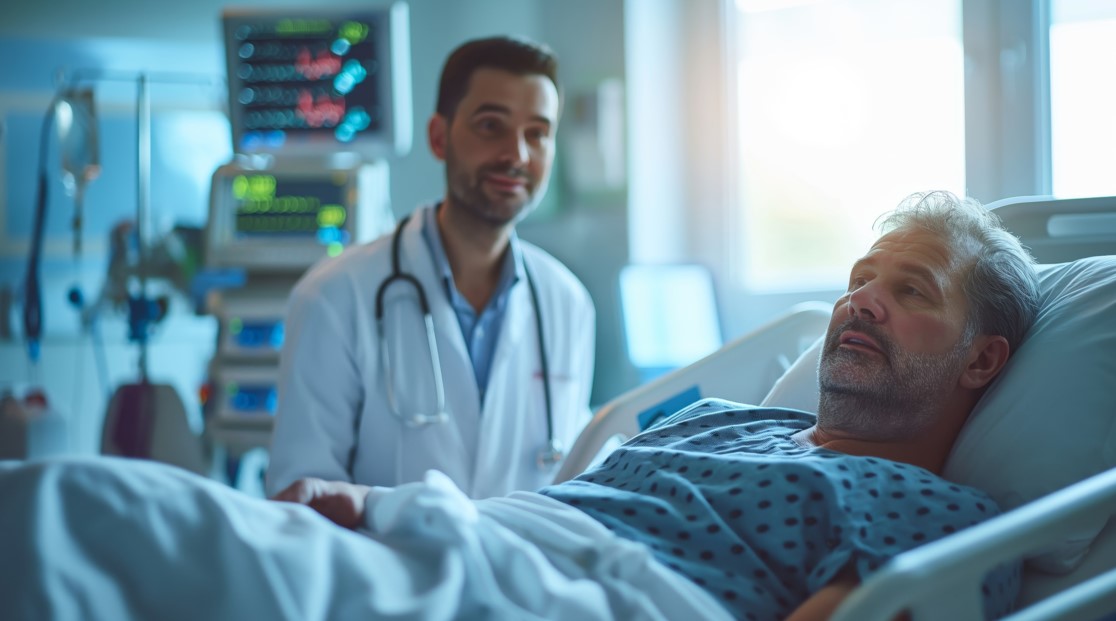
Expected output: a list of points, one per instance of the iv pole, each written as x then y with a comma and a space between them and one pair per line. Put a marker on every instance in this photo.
142, 312
145, 419
143, 205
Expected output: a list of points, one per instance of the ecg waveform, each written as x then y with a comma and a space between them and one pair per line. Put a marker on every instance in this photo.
293, 108
324, 64
298, 95
321, 111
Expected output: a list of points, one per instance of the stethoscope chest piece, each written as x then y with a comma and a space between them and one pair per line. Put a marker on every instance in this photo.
417, 420
550, 454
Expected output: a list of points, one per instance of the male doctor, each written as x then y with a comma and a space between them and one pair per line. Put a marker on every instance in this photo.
513, 330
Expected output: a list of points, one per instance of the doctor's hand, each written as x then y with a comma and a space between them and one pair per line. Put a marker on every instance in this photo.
341, 502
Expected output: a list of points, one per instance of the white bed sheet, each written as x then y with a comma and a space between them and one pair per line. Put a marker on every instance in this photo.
109, 538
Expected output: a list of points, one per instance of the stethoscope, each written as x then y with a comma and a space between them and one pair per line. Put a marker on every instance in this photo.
550, 454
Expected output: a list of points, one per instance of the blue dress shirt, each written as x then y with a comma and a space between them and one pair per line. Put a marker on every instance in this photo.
481, 331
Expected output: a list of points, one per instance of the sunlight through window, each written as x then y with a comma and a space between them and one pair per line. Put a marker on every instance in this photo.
1083, 97
845, 107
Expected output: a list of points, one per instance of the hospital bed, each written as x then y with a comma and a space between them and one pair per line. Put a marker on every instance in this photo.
142, 540
1042, 441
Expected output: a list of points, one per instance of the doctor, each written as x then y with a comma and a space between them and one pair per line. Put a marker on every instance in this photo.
499, 386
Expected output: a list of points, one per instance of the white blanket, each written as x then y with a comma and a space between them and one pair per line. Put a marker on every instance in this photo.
108, 538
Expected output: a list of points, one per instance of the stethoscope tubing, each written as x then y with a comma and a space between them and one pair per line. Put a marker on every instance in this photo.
552, 453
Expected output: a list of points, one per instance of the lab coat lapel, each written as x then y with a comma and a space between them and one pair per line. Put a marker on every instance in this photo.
500, 438
520, 316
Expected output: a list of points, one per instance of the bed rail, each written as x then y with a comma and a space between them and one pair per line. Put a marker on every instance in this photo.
1060, 230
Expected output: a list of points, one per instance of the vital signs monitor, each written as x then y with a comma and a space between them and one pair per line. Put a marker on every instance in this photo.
320, 80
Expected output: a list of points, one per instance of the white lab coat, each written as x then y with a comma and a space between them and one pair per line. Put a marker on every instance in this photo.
331, 381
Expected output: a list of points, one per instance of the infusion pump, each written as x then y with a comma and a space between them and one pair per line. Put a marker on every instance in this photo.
286, 215
271, 219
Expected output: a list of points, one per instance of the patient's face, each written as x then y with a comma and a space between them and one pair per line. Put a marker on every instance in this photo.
897, 341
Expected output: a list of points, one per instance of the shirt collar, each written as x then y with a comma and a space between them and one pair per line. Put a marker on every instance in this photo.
510, 272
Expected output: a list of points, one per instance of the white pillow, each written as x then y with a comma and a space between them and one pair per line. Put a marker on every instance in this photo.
798, 386
1049, 420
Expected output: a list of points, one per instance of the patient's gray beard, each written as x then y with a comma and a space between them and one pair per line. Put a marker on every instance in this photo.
898, 402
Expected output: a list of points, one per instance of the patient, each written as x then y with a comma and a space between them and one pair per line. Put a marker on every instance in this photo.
766, 513
777, 515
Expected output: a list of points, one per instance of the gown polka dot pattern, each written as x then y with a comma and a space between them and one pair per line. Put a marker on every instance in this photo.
724, 496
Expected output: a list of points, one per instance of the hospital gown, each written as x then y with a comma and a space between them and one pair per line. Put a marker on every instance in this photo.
725, 496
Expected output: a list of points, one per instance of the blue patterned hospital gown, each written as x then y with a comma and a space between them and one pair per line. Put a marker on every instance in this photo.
724, 496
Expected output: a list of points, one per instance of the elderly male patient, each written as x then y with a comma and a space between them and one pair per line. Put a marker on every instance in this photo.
777, 514
770, 513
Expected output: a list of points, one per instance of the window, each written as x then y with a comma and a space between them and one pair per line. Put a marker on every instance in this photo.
844, 107
1083, 97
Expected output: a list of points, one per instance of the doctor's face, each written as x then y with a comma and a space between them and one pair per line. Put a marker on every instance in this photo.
499, 144
898, 340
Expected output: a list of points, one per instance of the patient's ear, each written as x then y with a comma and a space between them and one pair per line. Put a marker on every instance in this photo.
988, 356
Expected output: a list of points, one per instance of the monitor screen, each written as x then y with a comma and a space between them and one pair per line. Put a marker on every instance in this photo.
286, 217
319, 81
269, 205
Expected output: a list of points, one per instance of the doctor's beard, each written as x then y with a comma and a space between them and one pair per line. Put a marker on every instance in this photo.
467, 191
895, 398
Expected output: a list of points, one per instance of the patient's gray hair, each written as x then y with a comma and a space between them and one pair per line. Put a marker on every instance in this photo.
1000, 283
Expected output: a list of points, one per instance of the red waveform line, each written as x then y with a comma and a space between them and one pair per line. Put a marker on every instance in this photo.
324, 64
322, 111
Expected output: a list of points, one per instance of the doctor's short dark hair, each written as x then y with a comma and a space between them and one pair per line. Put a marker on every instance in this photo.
512, 54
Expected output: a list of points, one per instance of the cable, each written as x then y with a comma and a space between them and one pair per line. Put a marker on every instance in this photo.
33, 295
